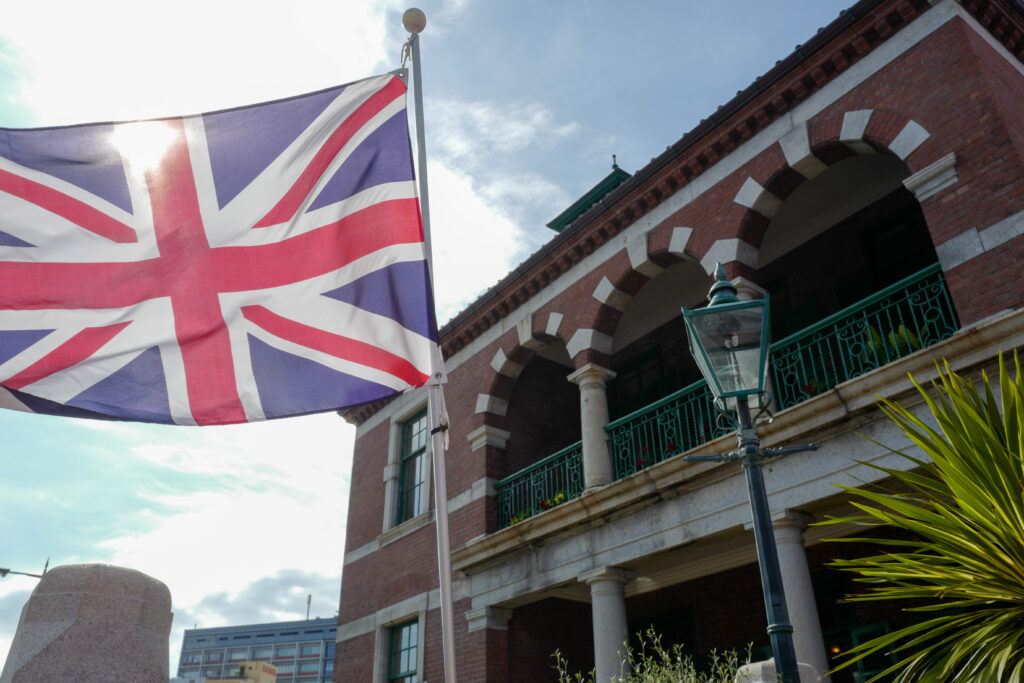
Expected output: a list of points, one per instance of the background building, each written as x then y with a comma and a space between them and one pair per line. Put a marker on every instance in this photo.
873, 184
302, 651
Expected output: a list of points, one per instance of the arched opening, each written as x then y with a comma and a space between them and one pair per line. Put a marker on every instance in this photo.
853, 277
840, 237
543, 409
543, 456
650, 354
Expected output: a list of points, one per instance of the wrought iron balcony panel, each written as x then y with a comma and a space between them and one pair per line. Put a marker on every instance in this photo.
907, 316
676, 423
541, 486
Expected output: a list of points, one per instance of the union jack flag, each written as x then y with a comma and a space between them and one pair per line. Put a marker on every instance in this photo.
260, 262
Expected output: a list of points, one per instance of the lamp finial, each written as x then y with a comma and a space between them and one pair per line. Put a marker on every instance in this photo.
722, 291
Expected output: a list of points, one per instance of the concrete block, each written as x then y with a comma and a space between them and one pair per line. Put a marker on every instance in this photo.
764, 672
92, 623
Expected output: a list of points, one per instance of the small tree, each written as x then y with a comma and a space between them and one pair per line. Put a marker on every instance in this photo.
654, 664
965, 508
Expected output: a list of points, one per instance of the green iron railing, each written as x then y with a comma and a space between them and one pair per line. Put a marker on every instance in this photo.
908, 315
676, 423
543, 485
911, 314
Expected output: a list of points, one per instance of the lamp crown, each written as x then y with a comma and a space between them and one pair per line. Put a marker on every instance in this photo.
722, 291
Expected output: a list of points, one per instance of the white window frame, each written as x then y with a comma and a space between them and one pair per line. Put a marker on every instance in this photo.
391, 528
382, 647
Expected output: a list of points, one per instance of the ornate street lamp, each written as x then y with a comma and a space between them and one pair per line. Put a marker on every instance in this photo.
729, 340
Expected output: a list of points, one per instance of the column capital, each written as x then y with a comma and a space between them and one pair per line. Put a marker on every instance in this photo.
591, 374
494, 618
747, 290
593, 576
791, 518
786, 519
486, 435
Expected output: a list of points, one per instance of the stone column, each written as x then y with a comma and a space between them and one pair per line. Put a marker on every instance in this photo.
92, 623
597, 460
796, 582
608, 612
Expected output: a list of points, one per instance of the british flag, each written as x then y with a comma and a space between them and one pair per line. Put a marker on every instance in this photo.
234, 266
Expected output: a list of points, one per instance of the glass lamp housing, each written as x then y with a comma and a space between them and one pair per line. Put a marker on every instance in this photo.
730, 343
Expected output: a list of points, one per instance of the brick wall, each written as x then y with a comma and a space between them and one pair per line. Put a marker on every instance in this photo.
538, 629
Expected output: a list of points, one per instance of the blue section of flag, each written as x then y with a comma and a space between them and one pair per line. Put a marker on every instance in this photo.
13, 342
394, 292
46, 407
291, 385
243, 142
138, 391
7, 240
84, 156
384, 157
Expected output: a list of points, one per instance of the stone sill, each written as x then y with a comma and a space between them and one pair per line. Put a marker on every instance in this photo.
843, 408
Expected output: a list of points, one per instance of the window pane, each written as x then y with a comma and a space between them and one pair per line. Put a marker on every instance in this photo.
404, 650
412, 475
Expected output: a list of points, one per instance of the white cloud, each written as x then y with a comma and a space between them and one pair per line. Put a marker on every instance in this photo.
121, 59
474, 133
474, 244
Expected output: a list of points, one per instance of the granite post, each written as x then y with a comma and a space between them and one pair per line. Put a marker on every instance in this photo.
92, 623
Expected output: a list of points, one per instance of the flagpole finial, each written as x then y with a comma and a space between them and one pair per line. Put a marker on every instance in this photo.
414, 20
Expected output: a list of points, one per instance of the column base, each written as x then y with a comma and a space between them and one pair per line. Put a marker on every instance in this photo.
764, 672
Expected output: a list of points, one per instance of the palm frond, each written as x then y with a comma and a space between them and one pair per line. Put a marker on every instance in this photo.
963, 503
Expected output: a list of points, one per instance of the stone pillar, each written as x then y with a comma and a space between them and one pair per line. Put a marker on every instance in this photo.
597, 460
608, 612
796, 582
92, 623
488, 635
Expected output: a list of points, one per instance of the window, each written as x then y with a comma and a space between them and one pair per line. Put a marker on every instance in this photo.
261, 653
413, 468
402, 657
307, 667
285, 669
285, 651
190, 659
310, 650
236, 655
214, 656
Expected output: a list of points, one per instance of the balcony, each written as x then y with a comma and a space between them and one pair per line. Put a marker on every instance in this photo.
907, 316
543, 485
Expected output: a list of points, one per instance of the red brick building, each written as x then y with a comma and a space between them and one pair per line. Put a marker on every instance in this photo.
873, 184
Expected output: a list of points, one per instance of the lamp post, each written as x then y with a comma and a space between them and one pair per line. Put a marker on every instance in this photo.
729, 340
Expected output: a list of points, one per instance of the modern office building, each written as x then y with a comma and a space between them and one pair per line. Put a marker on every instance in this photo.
872, 183
302, 651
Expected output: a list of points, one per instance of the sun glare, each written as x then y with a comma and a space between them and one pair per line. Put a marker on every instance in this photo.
143, 143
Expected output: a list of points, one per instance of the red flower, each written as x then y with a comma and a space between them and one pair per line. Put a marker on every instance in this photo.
671, 446
828, 364
639, 462
808, 388
644, 449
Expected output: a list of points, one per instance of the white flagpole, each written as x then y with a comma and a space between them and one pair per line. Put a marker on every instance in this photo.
415, 21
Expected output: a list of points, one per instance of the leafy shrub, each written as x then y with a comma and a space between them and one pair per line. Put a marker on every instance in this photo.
654, 664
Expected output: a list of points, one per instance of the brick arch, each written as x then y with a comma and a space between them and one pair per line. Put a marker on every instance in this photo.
532, 333
808, 150
647, 255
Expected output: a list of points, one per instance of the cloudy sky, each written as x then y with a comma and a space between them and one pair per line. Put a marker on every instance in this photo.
526, 102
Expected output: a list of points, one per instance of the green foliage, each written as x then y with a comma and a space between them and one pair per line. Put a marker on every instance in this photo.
655, 664
964, 576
